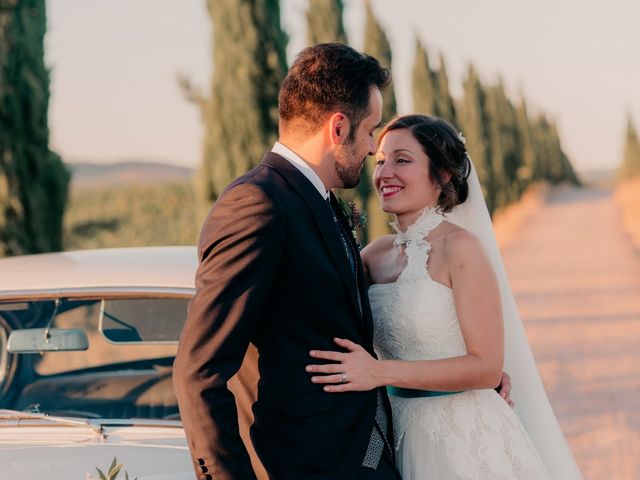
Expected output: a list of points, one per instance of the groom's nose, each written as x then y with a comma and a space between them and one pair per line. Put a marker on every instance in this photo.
372, 146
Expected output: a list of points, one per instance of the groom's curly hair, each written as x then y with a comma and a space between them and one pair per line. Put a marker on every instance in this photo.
449, 164
328, 78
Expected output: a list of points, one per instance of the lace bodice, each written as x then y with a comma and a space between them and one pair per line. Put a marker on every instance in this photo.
415, 317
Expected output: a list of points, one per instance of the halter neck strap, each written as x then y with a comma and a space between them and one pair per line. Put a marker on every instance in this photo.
428, 220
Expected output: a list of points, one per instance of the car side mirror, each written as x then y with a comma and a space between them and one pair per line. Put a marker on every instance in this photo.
36, 340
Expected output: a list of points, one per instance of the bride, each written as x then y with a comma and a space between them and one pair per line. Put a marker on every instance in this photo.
439, 295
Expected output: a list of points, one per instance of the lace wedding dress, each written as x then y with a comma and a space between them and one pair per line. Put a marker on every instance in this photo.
469, 435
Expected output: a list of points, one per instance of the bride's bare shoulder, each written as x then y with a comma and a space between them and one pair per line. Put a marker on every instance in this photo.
461, 243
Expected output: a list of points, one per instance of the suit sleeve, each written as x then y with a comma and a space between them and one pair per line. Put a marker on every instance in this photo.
240, 249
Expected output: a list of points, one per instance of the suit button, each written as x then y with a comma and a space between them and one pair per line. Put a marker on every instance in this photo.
205, 477
201, 461
204, 469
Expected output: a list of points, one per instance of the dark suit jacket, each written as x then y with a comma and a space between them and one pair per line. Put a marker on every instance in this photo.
273, 272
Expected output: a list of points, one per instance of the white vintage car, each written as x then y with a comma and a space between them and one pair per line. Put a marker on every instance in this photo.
87, 341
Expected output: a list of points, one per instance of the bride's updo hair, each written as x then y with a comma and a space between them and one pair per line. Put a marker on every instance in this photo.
449, 165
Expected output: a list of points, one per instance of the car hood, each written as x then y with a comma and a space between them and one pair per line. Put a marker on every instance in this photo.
33, 451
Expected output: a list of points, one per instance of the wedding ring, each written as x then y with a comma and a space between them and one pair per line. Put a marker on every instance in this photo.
344, 378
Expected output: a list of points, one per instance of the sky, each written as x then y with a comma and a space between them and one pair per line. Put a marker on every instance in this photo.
114, 63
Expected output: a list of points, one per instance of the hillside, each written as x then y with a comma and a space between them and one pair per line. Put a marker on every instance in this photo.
92, 175
130, 204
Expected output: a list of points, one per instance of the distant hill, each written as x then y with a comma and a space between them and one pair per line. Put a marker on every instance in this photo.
91, 175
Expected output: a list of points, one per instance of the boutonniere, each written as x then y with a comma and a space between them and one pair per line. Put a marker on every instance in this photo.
356, 218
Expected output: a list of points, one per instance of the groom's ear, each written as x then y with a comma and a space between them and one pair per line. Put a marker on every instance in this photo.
338, 128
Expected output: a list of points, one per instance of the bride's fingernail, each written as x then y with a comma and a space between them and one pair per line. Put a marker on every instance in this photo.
312, 353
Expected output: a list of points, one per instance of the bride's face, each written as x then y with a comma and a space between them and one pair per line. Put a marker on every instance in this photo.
401, 176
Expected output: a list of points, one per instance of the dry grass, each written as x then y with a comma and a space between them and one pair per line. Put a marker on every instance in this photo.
132, 215
628, 198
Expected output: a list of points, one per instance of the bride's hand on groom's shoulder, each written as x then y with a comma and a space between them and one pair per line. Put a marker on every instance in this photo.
353, 370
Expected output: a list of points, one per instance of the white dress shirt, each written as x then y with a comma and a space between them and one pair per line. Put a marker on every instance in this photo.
301, 165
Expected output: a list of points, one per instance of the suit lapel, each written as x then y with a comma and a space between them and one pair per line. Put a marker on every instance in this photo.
321, 212
362, 282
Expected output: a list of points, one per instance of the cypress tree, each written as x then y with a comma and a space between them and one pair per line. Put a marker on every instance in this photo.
324, 22
505, 145
540, 129
424, 83
475, 123
10, 208
445, 104
527, 171
241, 115
376, 44
567, 172
554, 165
631, 159
33, 179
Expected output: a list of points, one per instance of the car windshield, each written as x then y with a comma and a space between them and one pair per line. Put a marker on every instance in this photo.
148, 320
125, 372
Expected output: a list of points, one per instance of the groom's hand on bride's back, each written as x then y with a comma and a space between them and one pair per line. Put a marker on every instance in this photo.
504, 389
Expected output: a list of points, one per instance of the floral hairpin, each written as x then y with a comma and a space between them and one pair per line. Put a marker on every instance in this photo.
461, 138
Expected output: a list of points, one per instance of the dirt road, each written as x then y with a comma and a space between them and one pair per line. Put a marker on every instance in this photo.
576, 279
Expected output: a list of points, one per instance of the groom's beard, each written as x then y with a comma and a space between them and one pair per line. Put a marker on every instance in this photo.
349, 172
349, 176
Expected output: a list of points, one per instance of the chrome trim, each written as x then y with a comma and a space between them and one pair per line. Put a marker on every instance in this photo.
19, 416
97, 293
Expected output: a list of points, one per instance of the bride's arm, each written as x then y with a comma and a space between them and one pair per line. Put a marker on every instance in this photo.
365, 255
478, 305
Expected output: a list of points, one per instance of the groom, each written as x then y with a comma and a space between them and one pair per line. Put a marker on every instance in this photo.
279, 269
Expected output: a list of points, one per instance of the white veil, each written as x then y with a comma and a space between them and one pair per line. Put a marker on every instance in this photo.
532, 404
